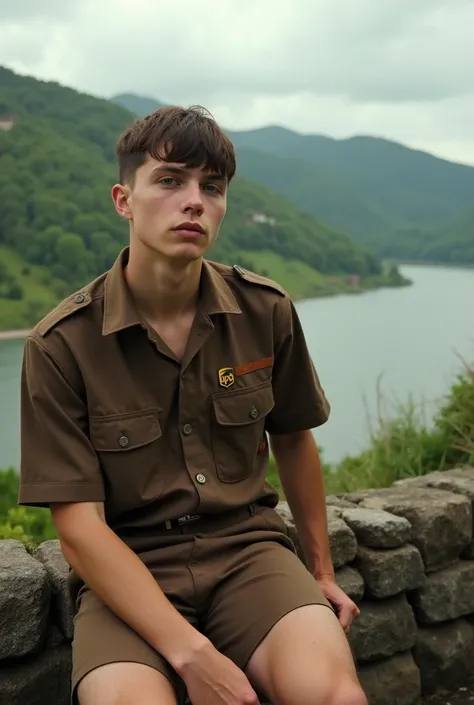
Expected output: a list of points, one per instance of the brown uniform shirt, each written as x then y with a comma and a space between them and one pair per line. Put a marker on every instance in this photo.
108, 414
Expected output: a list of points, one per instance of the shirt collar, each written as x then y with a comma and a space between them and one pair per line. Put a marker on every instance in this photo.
120, 311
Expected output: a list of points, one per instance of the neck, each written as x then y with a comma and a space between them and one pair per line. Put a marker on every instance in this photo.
162, 290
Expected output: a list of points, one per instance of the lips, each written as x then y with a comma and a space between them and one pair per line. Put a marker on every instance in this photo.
190, 227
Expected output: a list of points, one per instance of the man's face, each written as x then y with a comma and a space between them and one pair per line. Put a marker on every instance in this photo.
173, 210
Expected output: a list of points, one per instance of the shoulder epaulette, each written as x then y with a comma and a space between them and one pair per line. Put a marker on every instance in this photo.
258, 279
66, 308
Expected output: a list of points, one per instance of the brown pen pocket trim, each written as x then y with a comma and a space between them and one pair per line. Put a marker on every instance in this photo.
252, 366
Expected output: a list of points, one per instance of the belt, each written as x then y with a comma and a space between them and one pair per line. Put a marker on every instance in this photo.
217, 518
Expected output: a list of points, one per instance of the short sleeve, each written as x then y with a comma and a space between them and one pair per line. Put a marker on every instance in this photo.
300, 401
58, 462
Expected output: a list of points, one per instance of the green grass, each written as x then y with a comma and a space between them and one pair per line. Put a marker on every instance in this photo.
405, 446
37, 299
298, 278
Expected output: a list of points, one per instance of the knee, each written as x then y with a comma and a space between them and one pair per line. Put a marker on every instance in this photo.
349, 693
344, 693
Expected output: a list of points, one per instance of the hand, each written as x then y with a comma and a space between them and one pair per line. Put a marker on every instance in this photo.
211, 677
346, 610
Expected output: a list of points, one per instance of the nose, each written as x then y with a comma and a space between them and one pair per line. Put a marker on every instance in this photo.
192, 199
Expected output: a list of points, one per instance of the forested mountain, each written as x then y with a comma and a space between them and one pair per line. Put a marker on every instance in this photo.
451, 242
402, 202
58, 227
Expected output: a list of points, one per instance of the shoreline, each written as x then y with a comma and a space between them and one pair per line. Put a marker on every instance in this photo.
14, 334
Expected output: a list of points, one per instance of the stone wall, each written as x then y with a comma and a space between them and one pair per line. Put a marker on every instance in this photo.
405, 554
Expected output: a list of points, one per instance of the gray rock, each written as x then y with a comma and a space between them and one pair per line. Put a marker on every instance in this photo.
387, 573
51, 556
342, 542
54, 637
24, 601
284, 511
441, 521
383, 629
333, 511
445, 655
351, 581
378, 529
393, 681
448, 594
458, 480
333, 500
42, 680
359, 495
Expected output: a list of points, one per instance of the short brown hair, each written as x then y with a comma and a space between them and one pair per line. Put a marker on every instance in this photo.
188, 136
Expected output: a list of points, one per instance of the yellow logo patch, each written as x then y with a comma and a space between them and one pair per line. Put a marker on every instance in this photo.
226, 377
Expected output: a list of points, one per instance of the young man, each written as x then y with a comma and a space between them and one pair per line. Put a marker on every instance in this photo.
148, 398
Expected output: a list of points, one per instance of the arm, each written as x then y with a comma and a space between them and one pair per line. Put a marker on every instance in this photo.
300, 405
115, 573
299, 468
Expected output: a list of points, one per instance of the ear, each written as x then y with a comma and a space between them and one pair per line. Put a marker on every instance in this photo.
121, 196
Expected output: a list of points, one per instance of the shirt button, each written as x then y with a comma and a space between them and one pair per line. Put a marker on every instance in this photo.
201, 479
253, 412
187, 429
79, 298
123, 441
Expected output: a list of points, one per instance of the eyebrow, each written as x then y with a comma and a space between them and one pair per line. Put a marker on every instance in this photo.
170, 169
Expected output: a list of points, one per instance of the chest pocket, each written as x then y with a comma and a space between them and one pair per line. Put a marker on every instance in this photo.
130, 453
239, 429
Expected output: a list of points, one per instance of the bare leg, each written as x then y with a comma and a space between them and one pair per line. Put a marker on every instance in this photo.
125, 683
306, 660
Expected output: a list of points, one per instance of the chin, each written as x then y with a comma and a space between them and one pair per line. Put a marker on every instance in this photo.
186, 253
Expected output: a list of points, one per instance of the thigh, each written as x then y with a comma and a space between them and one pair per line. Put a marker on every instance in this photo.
102, 639
306, 659
264, 581
123, 683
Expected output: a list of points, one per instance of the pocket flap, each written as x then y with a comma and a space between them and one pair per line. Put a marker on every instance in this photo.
244, 406
124, 431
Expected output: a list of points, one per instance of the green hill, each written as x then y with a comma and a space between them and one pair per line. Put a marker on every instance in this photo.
58, 227
449, 243
390, 197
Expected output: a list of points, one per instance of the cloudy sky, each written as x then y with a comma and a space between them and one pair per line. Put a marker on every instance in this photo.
402, 69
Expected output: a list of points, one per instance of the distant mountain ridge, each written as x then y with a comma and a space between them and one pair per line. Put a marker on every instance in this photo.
58, 227
403, 202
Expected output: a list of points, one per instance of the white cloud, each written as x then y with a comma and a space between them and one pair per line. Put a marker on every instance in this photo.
394, 68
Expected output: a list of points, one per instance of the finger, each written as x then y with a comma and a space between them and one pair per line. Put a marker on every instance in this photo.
354, 614
345, 617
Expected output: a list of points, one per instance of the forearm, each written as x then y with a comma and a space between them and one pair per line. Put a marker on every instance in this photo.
128, 588
300, 472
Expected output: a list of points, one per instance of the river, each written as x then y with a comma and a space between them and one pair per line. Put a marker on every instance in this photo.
409, 339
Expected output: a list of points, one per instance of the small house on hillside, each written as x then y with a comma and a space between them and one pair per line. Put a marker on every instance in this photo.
6, 122
260, 218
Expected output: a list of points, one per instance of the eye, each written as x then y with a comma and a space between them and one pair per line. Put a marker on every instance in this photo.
213, 188
168, 181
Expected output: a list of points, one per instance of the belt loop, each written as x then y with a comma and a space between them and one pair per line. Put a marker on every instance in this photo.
251, 509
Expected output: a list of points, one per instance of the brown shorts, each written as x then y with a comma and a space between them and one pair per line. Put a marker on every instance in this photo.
233, 583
